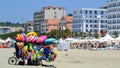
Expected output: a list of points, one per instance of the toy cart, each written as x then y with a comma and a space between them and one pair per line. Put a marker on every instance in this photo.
13, 61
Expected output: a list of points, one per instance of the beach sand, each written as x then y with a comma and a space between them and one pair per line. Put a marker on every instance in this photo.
74, 58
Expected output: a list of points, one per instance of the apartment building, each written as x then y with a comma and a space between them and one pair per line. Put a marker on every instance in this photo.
89, 19
49, 12
65, 22
6, 29
29, 26
49, 25
113, 15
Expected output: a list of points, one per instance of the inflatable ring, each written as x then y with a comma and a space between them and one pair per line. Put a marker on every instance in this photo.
24, 36
39, 40
43, 38
36, 39
28, 39
18, 36
31, 33
33, 39
21, 38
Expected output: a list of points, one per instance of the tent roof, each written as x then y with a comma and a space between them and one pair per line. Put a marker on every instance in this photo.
8, 39
118, 38
107, 37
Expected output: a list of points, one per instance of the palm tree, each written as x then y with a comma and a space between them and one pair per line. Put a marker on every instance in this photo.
84, 34
81, 34
96, 35
115, 33
89, 34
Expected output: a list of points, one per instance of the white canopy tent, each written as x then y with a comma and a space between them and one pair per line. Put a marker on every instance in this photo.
8, 39
106, 38
63, 45
118, 38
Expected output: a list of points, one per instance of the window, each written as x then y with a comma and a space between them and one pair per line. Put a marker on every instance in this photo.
29, 28
86, 11
86, 30
48, 8
74, 12
90, 12
90, 20
118, 15
55, 12
90, 25
102, 21
95, 16
90, 16
30, 25
59, 8
86, 21
54, 8
55, 16
96, 21
80, 11
101, 12
95, 12
86, 25
114, 16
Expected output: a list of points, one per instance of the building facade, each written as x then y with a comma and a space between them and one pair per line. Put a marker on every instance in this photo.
29, 26
8, 29
49, 12
65, 22
113, 15
49, 25
5, 30
89, 19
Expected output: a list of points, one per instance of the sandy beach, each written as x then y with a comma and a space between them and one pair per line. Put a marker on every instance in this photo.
74, 58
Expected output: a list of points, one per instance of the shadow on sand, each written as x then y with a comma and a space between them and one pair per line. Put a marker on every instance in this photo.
43, 65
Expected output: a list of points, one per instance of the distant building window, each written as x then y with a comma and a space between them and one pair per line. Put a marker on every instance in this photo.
102, 21
95, 21
80, 11
86, 11
29, 28
90, 20
74, 12
86, 30
59, 8
95, 12
90, 16
55, 12
55, 16
101, 12
48, 8
90, 12
30, 25
86, 25
86, 21
54, 8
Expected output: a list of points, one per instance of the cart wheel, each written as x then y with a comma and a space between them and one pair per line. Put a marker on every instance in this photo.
12, 61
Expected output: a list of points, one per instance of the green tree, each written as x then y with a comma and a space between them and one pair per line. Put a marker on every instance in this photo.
70, 14
96, 35
89, 34
81, 34
84, 34
115, 33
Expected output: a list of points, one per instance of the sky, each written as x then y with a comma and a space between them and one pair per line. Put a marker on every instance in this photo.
22, 10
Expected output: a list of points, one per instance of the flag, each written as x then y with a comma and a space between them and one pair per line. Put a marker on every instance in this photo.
101, 32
